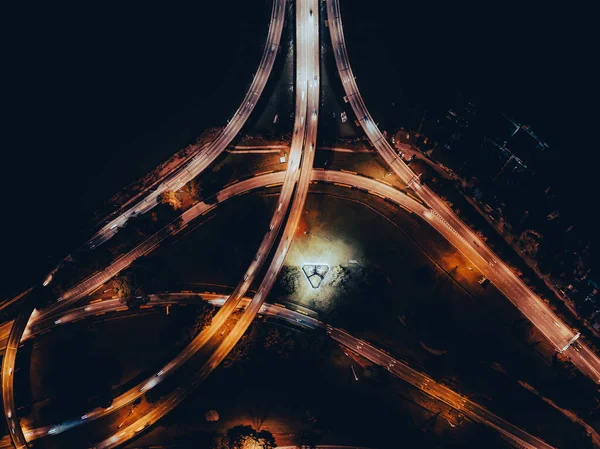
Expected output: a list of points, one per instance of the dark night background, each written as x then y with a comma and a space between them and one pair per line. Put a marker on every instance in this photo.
94, 96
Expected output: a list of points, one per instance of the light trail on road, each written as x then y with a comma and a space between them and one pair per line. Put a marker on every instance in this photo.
15, 430
443, 219
307, 37
59, 317
395, 367
437, 390
439, 216
202, 160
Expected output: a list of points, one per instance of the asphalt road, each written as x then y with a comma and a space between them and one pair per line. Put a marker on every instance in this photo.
81, 290
41, 319
90, 284
63, 315
203, 159
365, 349
307, 45
440, 216
460, 235
8, 368
436, 390
225, 312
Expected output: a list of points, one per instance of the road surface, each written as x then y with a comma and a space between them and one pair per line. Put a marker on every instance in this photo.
65, 315
159, 300
202, 160
436, 390
198, 163
460, 235
283, 204
307, 53
8, 371
396, 367
94, 281
40, 320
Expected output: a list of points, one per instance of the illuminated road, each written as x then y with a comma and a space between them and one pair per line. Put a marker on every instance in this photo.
160, 300
88, 285
344, 178
396, 367
436, 390
225, 312
202, 160
443, 219
304, 138
8, 368
307, 45
11, 301
54, 314
40, 319
4, 333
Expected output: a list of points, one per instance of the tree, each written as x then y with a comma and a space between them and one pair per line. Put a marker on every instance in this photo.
290, 279
194, 189
281, 344
237, 436
128, 289
264, 440
214, 182
211, 416
529, 241
103, 400
154, 395
169, 197
245, 437
339, 277
566, 366
202, 319
239, 352
123, 288
522, 329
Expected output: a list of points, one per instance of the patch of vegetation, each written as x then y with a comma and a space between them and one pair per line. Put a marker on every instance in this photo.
289, 279
244, 437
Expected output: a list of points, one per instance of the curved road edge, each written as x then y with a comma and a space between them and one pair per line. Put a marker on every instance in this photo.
460, 235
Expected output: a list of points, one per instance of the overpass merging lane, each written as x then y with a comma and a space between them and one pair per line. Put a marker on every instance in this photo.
365, 349
203, 159
39, 322
369, 185
460, 235
307, 38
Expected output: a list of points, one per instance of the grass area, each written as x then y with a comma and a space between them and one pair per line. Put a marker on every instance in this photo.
366, 164
229, 167
245, 165
81, 365
155, 176
403, 287
291, 391
448, 190
415, 294
197, 258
